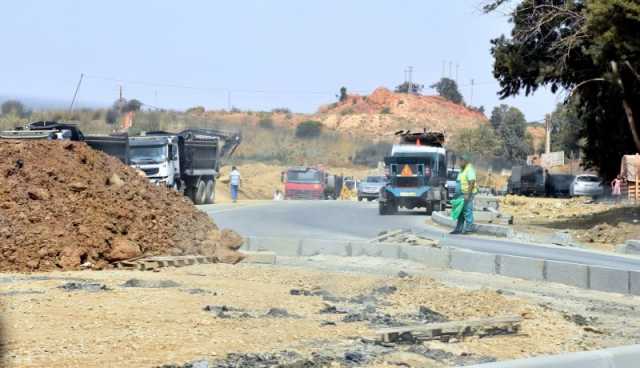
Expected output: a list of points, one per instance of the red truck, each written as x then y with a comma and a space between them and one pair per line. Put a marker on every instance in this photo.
309, 183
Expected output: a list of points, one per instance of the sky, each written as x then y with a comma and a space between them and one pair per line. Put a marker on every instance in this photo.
249, 54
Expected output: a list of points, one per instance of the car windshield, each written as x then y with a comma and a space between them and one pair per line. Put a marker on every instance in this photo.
147, 154
307, 176
589, 179
452, 175
374, 179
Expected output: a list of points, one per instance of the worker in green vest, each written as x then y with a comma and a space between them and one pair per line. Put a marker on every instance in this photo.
467, 180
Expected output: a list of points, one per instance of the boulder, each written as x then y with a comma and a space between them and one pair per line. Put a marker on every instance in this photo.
230, 239
123, 249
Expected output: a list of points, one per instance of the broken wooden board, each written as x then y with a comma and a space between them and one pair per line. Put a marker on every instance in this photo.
447, 330
151, 263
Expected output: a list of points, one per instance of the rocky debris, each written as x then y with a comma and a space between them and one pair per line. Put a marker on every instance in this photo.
403, 275
278, 313
405, 236
428, 315
153, 284
63, 204
224, 311
83, 286
579, 319
387, 289
315, 292
374, 319
200, 291
448, 358
334, 309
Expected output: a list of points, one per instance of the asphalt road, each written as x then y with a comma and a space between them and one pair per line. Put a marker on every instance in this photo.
354, 220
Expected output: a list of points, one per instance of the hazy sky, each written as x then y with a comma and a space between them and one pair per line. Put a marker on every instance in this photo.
275, 53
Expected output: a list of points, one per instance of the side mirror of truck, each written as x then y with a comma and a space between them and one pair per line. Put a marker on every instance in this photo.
282, 177
172, 153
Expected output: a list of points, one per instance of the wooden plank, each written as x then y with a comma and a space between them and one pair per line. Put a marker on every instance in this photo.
446, 330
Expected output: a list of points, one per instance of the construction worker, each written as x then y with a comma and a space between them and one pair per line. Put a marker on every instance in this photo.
234, 183
467, 180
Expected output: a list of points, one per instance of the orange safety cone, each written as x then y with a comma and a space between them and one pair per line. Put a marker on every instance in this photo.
418, 142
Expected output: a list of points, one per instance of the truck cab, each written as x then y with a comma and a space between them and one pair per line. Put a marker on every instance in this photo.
158, 157
304, 183
416, 178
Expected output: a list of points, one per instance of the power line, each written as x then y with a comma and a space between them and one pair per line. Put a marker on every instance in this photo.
208, 89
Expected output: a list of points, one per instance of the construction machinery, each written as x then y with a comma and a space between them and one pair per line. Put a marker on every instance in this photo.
416, 174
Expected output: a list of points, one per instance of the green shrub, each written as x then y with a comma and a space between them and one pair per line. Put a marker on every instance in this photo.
371, 154
309, 129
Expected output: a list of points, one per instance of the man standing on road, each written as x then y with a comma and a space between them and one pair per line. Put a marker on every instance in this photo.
234, 181
467, 180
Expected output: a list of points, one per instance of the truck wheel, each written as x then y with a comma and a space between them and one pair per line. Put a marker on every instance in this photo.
201, 193
382, 208
190, 192
210, 192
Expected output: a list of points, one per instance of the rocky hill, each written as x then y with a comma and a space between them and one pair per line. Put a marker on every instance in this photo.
384, 112
376, 116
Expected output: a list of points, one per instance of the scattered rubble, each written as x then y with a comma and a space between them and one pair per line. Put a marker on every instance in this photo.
84, 286
404, 236
159, 284
63, 204
200, 291
223, 311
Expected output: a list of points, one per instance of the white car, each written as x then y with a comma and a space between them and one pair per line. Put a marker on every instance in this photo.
586, 185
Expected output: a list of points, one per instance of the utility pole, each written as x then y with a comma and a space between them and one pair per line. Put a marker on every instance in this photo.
457, 67
409, 73
471, 98
229, 100
120, 89
450, 69
75, 94
547, 129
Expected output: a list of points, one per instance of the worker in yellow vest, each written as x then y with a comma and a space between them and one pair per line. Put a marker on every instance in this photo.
467, 181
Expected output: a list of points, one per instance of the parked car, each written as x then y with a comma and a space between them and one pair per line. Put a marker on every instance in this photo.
369, 188
586, 185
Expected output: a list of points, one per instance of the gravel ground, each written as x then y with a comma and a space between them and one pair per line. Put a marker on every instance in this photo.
320, 310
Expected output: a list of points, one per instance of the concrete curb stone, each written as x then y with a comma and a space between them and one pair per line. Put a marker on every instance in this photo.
572, 274
522, 267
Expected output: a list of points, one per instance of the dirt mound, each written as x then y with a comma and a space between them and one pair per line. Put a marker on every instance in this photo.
63, 204
384, 112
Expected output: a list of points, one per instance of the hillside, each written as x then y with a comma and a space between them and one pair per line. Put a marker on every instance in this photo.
384, 112
376, 116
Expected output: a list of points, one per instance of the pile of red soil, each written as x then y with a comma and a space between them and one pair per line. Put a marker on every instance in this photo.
64, 205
